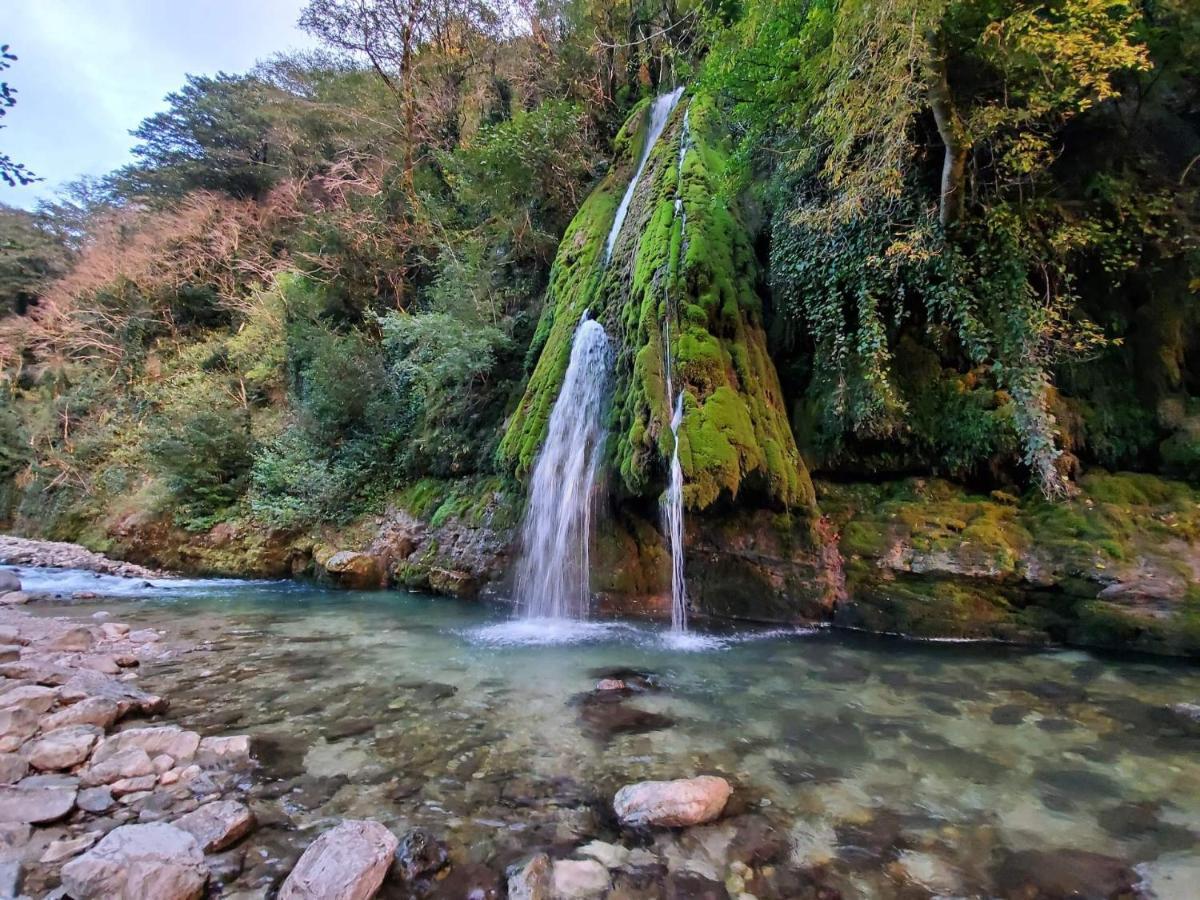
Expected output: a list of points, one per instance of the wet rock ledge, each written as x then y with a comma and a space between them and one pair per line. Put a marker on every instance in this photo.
18, 551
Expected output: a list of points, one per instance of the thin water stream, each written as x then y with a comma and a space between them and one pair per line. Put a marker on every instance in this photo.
889, 768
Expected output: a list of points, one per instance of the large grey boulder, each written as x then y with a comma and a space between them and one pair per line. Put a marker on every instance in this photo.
9, 581
672, 804
348, 862
137, 862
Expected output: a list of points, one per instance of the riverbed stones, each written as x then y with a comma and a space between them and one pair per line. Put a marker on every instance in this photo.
579, 879
63, 849
132, 762
169, 739
98, 711
62, 748
77, 639
532, 881
33, 697
348, 862
12, 768
420, 855
35, 803
232, 750
16, 726
672, 804
14, 598
217, 825
139, 861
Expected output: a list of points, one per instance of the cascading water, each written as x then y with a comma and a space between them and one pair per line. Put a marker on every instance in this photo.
672, 502
660, 113
672, 510
552, 573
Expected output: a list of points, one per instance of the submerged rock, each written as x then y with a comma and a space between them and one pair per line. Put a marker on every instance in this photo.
532, 881
672, 804
1062, 873
420, 855
348, 862
135, 861
579, 879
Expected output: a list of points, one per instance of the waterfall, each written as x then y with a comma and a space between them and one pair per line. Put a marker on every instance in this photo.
660, 112
552, 573
672, 511
672, 503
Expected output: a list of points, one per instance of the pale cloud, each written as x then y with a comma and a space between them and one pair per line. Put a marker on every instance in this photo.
88, 72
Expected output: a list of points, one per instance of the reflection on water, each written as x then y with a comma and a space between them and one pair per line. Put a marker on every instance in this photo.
890, 767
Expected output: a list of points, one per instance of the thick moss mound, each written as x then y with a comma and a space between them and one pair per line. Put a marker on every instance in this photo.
679, 290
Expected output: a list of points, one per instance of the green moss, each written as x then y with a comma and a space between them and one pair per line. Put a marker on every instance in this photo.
687, 298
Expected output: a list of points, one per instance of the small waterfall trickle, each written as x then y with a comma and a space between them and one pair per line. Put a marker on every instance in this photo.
672, 503
552, 573
672, 510
660, 113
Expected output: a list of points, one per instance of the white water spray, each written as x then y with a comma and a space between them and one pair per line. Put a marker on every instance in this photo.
552, 573
660, 113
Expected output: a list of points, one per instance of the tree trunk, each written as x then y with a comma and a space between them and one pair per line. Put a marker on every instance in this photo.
954, 139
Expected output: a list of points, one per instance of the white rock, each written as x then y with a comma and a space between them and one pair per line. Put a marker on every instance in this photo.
224, 751
672, 804
12, 768
35, 804
99, 711
218, 825
16, 726
57, 851
137, 785
62, 748
132, 762
162, 763
576, 879
14, 598
77, 639
33, 697
114, 631
533, 881
156, 861
611, 856
169, 739
348, 862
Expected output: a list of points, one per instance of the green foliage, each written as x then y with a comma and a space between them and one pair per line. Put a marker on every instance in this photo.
204, 457
31, 255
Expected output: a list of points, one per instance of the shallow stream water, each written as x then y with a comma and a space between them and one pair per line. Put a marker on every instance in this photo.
883, 767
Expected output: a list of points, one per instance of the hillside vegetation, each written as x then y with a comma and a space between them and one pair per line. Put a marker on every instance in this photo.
951, 238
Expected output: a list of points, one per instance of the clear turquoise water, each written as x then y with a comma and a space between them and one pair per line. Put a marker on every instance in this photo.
892, 768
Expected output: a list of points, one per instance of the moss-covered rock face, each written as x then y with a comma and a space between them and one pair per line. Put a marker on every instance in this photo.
1116, 566
679, 290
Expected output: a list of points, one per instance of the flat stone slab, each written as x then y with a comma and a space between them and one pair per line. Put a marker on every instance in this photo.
348, 862
35, 804
156, 861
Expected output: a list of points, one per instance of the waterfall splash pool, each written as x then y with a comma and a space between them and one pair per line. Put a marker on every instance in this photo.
879, 768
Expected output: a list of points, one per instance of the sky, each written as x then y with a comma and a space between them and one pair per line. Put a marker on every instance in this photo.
88, 71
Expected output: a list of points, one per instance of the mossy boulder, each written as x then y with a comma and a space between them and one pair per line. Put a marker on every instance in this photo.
1118, 565
680, 298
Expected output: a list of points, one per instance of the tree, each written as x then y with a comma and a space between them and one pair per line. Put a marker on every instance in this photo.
11, 172
31, 255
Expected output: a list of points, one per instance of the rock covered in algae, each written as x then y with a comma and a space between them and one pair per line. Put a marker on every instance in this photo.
683, 294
